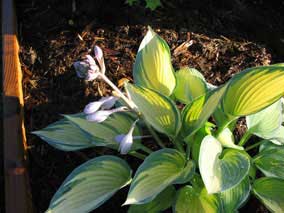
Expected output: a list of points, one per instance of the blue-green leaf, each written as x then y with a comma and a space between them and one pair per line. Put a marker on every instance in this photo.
270, 161
267, 123
163, 201
234, 198
159, 170
105, 132
221, 173
270, 191
64, 135
90, 185
153, 68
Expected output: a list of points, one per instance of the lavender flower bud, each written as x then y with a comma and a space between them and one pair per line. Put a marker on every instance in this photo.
126, 141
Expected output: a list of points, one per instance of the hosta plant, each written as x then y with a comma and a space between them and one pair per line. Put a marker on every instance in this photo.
199, 166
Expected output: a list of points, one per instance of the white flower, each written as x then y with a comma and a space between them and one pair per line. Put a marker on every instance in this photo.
102, 115
104, 103
126, 141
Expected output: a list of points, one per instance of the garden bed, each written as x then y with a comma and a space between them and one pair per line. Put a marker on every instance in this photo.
54, 34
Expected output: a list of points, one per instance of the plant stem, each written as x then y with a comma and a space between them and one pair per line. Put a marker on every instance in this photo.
114, 87
155, 135
178, 146
245, 138
254, 145
137, 155
145, 149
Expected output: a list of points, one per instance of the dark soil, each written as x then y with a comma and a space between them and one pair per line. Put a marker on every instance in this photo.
218, 39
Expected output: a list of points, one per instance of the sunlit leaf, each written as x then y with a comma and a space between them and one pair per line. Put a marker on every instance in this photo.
190, 85
158, 110
195, 200
159, 170
196, 113
221, 170
153, 68
90, 185
254, 89
270, 191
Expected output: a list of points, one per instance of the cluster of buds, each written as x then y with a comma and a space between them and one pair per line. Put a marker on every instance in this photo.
98, 111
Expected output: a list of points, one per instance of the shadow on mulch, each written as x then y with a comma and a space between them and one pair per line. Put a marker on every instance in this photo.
218, 39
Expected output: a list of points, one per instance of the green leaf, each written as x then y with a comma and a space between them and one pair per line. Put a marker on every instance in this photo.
234, 198
153, 4
267, 122
221, 172
153, 68
131, 2
158, 110
190, 85
253, 89
163, 201
270, 161
226, 138
66, 136
90, 185
195, 200
159, 170
105, 132
270, 191
197, 139
196, 113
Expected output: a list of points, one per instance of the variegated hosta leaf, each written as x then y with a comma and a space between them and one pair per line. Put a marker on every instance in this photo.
64, 135
159, 170
282, 100
226, 138
90, 185
271, 161
190, 85
196, 113
153, 68
253, 89
158, 110
104, 133
223, 119
234, 198
267, 122
163, 201
220, 174
270, 191
195, 200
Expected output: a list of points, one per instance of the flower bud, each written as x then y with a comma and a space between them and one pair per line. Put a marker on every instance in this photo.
100, 57
126, 141
99, 116
102, 115
98, 53
108, 102
87, 69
